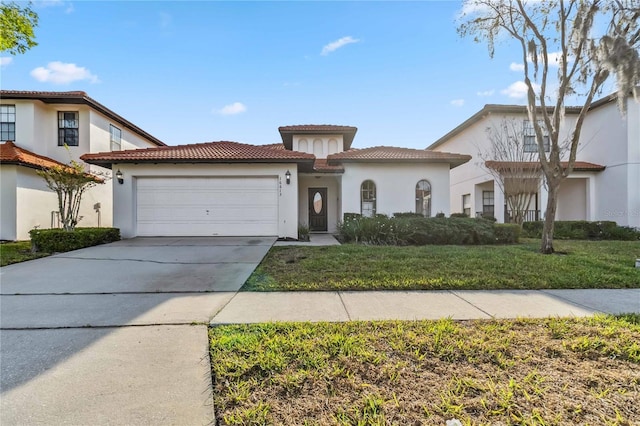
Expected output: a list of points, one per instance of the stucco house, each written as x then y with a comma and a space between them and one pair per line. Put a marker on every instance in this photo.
604, 185
312, 177
34, 129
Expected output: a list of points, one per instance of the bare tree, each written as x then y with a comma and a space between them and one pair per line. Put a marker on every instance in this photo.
69, 182
587, 41
513, 162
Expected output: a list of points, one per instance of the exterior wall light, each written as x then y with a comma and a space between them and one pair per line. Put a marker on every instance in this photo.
287, 176
120, 177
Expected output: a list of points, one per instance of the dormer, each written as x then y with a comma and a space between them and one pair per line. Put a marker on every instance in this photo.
319, 140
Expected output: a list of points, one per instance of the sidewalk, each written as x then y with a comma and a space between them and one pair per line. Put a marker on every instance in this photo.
250, 307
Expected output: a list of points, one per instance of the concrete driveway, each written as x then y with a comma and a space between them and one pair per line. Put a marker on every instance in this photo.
108, 334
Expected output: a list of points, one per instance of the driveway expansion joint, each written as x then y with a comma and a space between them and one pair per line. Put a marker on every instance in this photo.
474, 306
344, 306
152, 261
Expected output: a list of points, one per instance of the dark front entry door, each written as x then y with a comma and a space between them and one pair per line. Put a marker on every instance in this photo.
317, 209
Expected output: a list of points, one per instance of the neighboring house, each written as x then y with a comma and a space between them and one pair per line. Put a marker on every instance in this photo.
604, 185
312, 178
34, 129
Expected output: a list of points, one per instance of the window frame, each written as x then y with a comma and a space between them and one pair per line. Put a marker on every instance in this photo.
466, 204
368, 194
7, 127
485, 206
529, 143
115, 146
63, 134
420, 194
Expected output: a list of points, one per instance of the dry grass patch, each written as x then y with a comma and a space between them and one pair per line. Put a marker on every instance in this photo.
525, 372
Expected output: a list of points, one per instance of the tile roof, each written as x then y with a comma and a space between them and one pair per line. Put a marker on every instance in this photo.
579, 166
394, 154
322, 166
287, 132
10, 153
78, 97
209, 152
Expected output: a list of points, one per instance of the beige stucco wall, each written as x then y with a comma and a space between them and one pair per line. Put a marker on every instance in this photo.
8, 178
124, 208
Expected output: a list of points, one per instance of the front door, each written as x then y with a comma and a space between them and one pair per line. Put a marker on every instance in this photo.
317, 209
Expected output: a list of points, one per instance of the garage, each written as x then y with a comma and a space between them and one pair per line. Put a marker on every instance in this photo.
207, 206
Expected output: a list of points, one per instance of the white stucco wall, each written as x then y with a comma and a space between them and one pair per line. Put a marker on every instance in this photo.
572, 200
395, 186
8, 178
607, 138
333, 204
319, 145
124, 208
34, 202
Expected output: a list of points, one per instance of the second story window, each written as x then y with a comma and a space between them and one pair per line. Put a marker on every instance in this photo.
116, 138
529, 135
7, 123
68, 128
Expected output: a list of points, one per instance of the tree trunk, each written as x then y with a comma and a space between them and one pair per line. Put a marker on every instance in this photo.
549, 218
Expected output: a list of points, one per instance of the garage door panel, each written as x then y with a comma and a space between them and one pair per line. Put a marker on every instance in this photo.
207, 206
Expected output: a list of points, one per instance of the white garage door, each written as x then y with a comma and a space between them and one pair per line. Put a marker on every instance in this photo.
205, 206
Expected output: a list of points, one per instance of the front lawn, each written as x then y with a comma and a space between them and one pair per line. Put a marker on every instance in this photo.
19, 251
551, 371
583, 264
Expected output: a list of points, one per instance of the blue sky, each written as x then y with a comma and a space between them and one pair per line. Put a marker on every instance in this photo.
190, 72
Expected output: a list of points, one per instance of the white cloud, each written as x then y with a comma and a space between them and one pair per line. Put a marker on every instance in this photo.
5, 60
55, 3
486, 93
61, 73
457, 102
518, 90
516, 67
232, 109
335, 45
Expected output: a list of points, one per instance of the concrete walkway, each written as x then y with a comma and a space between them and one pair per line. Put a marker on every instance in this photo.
252, 307
314, 240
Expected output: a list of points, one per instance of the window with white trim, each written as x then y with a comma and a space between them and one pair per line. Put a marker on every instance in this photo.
529, 137
7, 123
115, 135
466, 204
368, 198
68, 123
488, 204
423, 198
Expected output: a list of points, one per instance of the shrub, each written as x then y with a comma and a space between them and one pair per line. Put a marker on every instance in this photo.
408, 230
506, 233
303, 233
59, 240
458, 215
407, 214
583, 230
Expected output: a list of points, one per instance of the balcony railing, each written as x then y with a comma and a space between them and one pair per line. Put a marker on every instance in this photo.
529, 216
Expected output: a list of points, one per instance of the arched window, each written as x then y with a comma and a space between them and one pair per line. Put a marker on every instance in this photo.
423, 198
368, 198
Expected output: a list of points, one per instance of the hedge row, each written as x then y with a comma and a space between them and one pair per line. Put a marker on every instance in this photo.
412, 230
582, 230
59, 240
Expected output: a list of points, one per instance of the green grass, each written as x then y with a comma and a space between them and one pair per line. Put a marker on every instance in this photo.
585, 264
18, 251
554, 371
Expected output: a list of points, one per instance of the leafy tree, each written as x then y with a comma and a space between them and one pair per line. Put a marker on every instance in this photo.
69, 182
16, 27
514, 167
587, 41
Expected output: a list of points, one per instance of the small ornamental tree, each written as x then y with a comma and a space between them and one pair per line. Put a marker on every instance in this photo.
513, 165
69, 182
